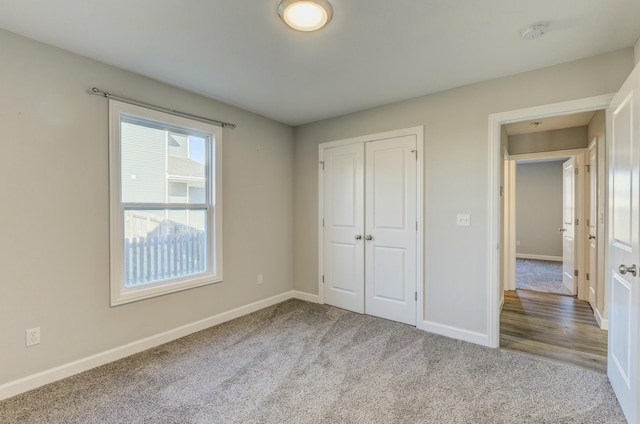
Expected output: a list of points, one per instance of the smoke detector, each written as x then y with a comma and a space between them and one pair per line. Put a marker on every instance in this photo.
533, 32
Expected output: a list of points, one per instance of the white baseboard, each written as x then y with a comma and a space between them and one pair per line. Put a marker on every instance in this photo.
308, 297
456, 333
602, 322
24, 384
33, 381
539, 257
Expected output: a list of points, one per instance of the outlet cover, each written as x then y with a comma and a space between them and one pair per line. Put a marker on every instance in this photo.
463, 220
33, 336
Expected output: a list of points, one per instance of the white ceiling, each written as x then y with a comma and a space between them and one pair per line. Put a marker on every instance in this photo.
373, 52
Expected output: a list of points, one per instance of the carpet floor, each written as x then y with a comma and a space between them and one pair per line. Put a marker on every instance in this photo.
540, 276
298, 362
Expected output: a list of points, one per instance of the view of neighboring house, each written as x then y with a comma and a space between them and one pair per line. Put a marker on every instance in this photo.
160, 166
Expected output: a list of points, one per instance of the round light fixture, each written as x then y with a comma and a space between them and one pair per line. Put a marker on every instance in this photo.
305, 15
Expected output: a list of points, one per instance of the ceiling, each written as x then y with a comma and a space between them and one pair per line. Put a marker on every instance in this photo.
550, 123
372, 53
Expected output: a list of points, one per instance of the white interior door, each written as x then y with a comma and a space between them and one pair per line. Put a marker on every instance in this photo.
592, 223
391, 229
568, 227
624, 249
343, 182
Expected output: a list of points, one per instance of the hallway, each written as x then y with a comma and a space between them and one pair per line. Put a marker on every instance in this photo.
559, 328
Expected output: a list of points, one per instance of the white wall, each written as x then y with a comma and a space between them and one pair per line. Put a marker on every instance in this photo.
539, 208
54, 243
456, 176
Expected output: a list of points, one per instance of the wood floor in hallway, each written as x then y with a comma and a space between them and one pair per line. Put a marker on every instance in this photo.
559, 328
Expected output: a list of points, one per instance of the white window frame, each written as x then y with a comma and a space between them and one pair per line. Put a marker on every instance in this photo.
213, 274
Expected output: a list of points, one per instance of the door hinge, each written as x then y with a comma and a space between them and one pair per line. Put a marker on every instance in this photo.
588, 222
587, 168
322, 163
587, 276
501, 191
416, 225
575, 272
323, 222
577, 221
577, 171
416, 296
323, 279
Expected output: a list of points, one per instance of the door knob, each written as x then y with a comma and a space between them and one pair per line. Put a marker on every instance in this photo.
591, 237
562, 230
369, 237
631, 269
358, 236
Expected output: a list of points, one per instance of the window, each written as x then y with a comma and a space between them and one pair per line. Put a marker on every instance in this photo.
165, 203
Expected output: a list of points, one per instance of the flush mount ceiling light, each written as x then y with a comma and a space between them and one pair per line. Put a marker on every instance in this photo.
534, 31
305, 15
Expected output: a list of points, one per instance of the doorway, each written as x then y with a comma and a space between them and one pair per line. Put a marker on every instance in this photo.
498, 268
546, 194
370, 208
545, 240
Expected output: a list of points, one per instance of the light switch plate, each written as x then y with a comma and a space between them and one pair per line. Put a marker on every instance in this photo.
463, 220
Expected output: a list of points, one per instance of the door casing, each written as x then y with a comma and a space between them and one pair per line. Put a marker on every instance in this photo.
419, 134
496, 120
509, 243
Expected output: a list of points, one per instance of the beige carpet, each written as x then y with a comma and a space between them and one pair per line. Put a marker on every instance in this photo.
299, 362
540, 276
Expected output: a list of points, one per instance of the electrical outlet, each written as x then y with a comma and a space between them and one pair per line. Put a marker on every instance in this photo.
33, 336
259, 278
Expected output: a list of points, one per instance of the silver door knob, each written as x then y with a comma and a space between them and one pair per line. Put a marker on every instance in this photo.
562, 230
369, 237
631, 269
591, 237
358, 236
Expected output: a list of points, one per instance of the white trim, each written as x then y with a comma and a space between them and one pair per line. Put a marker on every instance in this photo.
33, 381
602, 322
456, 333
307, 297
119, 293
510, 227
539, 257
541, 156
419, 133
496, 120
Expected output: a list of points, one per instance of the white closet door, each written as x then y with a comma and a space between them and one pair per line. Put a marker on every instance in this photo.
391, 233
343, 227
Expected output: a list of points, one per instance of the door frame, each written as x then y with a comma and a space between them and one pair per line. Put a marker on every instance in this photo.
496, 120
419, 134
509, 250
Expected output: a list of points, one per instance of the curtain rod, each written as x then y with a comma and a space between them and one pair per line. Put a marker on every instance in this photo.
108, 95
